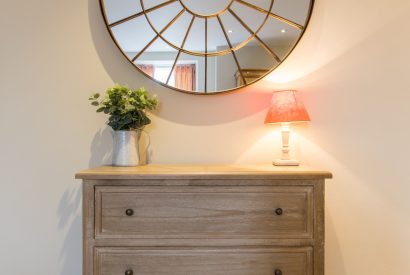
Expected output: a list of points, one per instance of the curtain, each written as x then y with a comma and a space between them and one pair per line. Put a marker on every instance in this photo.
148, 69
185, 77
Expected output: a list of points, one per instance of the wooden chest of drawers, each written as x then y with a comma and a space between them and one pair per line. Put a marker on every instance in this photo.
197, 220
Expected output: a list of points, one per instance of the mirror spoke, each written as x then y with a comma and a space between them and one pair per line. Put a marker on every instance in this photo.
145, 48
206, 46
158, 35
268, 49
264, 45
232, 51
206, 55
275, 16
182, 46
141, 13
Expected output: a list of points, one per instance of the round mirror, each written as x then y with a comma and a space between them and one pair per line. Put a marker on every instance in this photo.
206, 47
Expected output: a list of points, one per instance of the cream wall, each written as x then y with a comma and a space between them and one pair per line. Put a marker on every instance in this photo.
352, 69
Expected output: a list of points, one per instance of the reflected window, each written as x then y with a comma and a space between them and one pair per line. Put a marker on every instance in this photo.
184, 76
161, 74
206, 46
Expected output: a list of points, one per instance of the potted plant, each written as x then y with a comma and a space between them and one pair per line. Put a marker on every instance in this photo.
127, 110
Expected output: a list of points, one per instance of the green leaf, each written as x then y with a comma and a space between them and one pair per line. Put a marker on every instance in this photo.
126, 108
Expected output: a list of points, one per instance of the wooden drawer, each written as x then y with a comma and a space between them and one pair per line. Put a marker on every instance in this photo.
205, 261
204, 212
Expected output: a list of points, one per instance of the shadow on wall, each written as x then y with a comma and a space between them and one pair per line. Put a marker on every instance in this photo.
69, 213
101, 148
177, 107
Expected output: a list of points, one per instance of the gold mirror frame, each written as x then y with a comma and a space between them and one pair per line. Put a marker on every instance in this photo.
230, 50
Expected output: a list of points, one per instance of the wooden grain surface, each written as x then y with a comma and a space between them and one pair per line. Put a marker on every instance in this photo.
88, 229
204, 212
204, 261
203, 220
266, 171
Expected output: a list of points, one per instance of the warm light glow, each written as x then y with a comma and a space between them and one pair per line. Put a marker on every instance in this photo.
280, 78
285, 126
283, 31
286, 107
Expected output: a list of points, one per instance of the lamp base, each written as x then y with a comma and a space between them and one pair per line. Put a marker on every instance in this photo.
286, 162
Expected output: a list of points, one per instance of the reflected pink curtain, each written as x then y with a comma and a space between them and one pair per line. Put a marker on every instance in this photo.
148, 69
185, 77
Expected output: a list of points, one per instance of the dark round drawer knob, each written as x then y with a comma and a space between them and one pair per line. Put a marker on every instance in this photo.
129, 272
278, 272
129, 212
279, 212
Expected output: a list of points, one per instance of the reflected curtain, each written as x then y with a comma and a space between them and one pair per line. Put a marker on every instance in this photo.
148, 69
185, 77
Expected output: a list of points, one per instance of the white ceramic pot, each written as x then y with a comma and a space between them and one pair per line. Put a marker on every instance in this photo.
126, 148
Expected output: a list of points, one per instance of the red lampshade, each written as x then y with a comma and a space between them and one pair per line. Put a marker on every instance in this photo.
286, 107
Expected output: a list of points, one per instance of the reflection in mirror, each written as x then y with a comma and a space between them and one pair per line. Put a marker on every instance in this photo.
206, 47
206, 8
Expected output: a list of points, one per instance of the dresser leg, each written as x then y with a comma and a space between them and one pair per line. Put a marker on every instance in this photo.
88, 228
319, 251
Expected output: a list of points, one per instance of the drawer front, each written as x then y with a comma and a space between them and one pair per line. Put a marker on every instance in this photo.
204, 212
117, 261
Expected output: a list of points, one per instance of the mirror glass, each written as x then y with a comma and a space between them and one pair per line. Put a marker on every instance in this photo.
206, 47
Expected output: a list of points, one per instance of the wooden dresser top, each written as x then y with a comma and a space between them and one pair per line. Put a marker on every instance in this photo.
266, 171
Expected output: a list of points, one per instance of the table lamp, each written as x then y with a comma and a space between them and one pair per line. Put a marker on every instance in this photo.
286, 108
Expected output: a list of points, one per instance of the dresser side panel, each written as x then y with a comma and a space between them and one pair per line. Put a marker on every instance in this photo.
319, 228
88, 227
